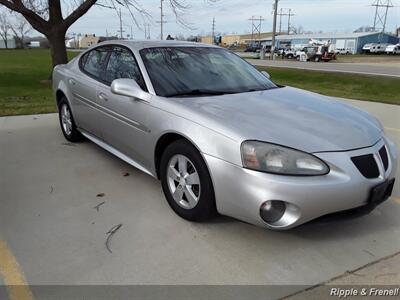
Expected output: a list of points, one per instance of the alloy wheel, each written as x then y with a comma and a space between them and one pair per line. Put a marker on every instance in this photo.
183, 181
66, 119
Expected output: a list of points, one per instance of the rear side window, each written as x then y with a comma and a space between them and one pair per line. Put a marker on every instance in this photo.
92, 62
122, 64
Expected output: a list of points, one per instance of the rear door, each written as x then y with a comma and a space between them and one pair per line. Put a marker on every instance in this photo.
124, 119
84, 85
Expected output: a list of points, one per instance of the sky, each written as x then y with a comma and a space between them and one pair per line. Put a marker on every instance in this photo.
232, 16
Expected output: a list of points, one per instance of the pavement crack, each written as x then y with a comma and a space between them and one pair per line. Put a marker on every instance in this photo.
368, 252
341, 276
111, 233
98, 205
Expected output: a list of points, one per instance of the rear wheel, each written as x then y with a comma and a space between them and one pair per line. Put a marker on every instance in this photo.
186, 182
67, 122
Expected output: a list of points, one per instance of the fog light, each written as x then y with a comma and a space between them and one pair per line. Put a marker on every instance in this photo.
271, 211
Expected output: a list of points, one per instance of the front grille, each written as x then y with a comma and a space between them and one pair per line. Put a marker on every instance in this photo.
367, 166
384, 157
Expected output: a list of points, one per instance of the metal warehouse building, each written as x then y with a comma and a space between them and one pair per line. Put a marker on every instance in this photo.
350, 41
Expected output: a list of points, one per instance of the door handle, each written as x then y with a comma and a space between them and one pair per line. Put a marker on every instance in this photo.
71, 81
102, 97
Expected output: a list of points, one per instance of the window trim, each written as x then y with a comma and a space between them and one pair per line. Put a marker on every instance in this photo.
106, 59
135, 60
81, 65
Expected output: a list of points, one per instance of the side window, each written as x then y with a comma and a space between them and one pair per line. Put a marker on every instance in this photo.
92, 62
122, 64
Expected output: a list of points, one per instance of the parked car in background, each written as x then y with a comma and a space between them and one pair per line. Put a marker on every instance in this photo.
378, 48
253, 47
393, 49
367, 48
221, 136
342, 51
290, 53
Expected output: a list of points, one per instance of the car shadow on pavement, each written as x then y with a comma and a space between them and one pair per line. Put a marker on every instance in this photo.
351, 223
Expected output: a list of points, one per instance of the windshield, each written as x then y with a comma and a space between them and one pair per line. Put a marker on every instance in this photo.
185, 71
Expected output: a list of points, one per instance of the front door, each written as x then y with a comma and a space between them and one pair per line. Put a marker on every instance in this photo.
124, 119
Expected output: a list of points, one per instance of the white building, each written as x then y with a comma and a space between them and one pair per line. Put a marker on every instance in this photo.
10, 44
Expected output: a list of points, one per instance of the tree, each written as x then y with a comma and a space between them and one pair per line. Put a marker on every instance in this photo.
46, 16
20, 27
4, 27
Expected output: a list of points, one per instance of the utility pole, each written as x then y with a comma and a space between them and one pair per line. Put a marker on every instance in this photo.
288, 23
381, 12
280, 19
147, 31
285, 12
120, 25
162, 22
213, 31
274, 29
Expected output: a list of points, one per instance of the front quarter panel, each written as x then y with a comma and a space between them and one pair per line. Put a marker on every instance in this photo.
165, 117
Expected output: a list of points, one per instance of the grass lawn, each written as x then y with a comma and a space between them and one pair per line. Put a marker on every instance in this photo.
353, 86
25, 88
24, 84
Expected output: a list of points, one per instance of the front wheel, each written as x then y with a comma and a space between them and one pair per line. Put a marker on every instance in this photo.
67, 122
186, 182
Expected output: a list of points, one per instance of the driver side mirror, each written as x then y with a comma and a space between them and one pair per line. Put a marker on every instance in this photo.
266, 74
130, 88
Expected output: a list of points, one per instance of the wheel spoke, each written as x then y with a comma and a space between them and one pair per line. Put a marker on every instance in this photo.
182, 165
190, 196
178, 195
192, 179
173, 173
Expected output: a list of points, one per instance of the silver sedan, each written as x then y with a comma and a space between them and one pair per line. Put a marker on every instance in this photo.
221, 136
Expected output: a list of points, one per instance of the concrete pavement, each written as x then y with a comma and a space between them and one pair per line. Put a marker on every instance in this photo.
380, 69
49, 189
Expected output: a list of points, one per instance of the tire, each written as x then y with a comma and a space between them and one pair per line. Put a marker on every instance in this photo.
67, 122
171, 161
317, 59
290, 56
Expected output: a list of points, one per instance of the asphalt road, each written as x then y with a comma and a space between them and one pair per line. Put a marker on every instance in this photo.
381, 69
54, 235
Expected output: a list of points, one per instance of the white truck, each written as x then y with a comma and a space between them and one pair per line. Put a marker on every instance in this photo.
393, 49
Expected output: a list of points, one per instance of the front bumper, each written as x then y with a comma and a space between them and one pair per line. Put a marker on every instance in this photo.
240, 192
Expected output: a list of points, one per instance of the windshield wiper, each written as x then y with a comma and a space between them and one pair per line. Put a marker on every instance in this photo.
198, 92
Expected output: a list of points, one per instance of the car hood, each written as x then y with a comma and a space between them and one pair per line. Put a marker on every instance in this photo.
287, 116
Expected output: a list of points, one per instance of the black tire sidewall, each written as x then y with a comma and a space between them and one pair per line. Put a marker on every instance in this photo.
205, 208
75, 135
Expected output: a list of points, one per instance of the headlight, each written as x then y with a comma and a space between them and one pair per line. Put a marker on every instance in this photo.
277, 159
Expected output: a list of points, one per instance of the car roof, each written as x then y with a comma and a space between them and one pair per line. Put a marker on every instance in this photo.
142, 44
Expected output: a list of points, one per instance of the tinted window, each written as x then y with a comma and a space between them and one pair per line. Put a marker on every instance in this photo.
92, 62
122, 64
179, 71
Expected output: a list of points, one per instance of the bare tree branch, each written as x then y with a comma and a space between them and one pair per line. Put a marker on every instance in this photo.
79, 12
